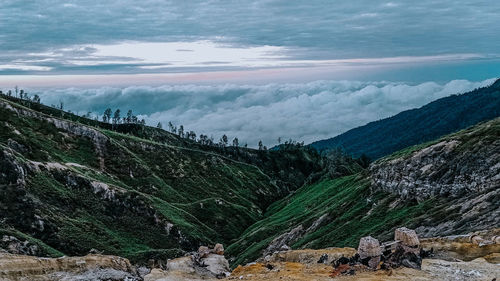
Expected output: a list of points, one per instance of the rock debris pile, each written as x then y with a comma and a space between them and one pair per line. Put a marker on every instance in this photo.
404, 251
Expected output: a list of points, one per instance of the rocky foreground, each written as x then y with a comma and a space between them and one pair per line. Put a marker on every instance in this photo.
464, 257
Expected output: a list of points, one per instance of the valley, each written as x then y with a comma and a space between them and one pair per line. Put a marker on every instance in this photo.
72, 186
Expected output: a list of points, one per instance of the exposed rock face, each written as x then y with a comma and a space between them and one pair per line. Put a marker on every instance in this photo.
309, 256
281, 242
462, 169
97, 137
91, 267
14, 246
432, 269
463, 247
450, 168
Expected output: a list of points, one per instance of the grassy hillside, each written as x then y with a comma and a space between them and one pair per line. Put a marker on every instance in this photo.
352, 211
408, 128
338, 212
70, 187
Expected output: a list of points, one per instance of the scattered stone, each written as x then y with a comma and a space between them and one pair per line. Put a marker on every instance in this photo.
341, 270
405, 251
95, 251
323, 258
285, 248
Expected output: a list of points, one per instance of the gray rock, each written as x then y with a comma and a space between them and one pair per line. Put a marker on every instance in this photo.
407, 236
369, 247
216, 264
15, 246
281, 242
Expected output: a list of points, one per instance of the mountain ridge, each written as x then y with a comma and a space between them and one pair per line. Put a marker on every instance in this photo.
433, 120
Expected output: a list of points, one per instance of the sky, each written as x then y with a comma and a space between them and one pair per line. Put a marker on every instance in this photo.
256, 69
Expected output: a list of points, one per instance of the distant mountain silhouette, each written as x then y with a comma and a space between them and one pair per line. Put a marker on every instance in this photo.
431, 121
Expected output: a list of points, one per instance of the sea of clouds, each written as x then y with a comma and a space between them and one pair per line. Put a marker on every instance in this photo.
304, 112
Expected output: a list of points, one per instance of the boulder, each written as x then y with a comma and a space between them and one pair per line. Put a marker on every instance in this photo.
183, 264
203, 251
219, 249
216, 264
369, 247
408, 237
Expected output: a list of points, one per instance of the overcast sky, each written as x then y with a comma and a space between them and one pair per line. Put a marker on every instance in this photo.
249, 68
151, 36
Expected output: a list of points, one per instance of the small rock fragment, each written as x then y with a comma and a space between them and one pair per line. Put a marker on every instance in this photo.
203, 251
219, 249
323, 258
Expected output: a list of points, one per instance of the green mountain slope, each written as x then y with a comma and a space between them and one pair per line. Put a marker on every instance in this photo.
69, 187
411, 127
338, 212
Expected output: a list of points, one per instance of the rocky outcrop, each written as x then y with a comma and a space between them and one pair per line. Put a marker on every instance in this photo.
397, 261
369, 250
204, 264
464, 164
432, 269
465, 247
98, 138
15, 246
90, 267
282, 242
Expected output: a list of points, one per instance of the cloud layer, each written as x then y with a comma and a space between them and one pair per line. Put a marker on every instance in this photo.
303, 112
